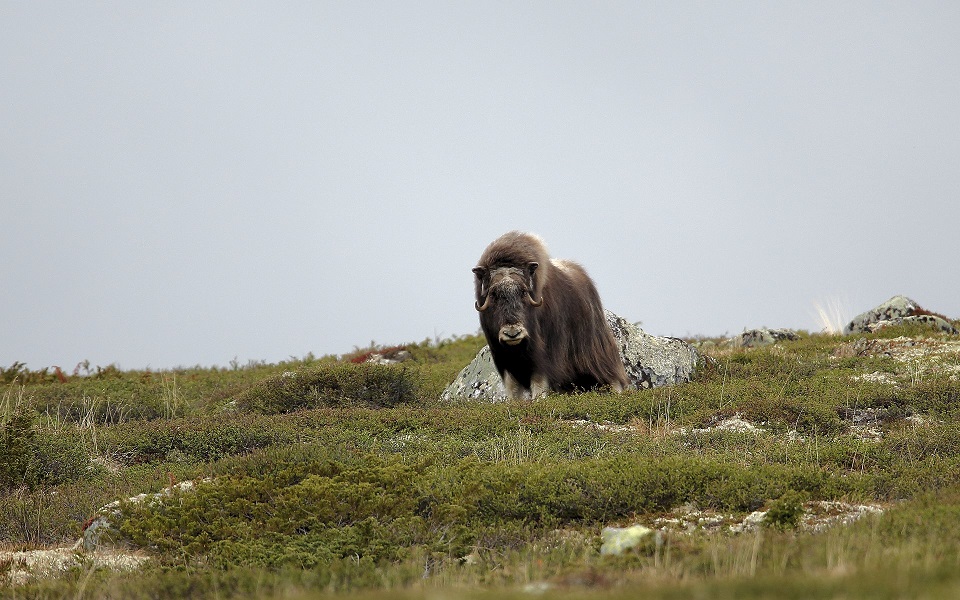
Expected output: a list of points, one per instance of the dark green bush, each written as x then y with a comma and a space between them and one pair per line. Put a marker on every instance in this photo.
938, 395
786, 511
30, 457
385, 508
347, 384
301, 515
17, 441
197, 438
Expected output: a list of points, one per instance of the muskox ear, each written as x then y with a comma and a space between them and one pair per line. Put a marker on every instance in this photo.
479, 272
532, 291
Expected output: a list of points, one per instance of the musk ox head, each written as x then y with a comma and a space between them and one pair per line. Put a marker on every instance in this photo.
504, 295
508, 281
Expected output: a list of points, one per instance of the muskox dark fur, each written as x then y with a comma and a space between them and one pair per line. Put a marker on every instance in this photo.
543, 320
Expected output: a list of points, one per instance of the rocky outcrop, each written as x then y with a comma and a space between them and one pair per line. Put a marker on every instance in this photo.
763, 337
898, 310
650, 361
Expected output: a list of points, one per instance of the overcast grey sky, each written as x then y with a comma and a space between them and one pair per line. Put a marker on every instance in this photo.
191, 182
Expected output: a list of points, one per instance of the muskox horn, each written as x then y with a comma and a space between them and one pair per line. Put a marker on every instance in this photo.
485, 306
481, 272
534, 303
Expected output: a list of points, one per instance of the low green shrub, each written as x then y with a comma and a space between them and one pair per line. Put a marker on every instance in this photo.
345, 384
302, 515
937, 395
197, 438
786, 511
386, 508
30, 456
17, 441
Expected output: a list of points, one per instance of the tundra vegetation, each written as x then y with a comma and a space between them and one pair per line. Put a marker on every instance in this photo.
322, 476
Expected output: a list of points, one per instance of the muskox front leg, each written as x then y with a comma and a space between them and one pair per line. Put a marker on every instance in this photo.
539, 386
514, 389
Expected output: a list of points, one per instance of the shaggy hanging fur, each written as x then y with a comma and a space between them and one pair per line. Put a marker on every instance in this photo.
543, 320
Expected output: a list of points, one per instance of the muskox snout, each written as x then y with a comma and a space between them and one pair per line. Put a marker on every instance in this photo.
512, 335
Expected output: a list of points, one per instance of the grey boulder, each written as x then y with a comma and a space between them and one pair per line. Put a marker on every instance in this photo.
650, 361
896, 311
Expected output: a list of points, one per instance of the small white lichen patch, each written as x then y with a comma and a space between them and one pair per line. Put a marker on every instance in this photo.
920, 420
183, 486
735, 423
818, 516
866, 433
689, 518
750, 522
601, 426
822, 514
876, 377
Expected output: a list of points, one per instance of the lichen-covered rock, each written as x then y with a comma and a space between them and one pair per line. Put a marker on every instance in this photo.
763, 337
650, 361
478, 381
897, 311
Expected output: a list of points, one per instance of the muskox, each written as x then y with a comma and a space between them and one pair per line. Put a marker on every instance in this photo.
543, 320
